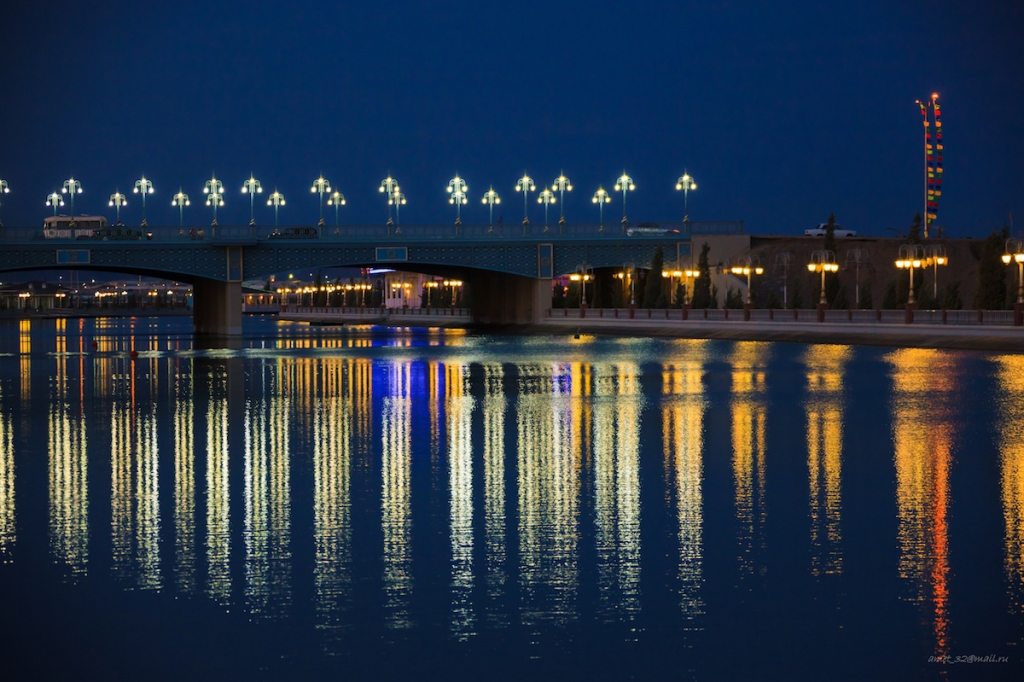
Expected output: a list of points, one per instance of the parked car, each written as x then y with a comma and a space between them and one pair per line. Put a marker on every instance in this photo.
819, 231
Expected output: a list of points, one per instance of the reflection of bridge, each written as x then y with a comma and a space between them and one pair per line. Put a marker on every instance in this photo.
508, 267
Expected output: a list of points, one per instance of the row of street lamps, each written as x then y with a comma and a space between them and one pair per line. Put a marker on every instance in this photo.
457, 195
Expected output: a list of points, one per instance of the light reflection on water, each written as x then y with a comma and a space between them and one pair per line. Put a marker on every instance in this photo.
511, 490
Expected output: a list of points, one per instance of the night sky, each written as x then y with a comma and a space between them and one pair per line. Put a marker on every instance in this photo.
782, 112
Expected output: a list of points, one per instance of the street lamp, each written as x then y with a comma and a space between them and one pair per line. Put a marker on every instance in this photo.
491, 198
824, 261
623, 184
858, 257
388, 186
118, 200
628, 270
215, 189
686, 183
1015, 253
143, 187
911, 256
321, 186
454, 284
584, 273
72, 187
252, 187
398, 199
935, 256
689, 274
546, 197
525, 185
745, 265
3, 190
671, 275
277, 201
601, 197
54, 199
784, 260
336, 199
181, 201
561, 185
457, 189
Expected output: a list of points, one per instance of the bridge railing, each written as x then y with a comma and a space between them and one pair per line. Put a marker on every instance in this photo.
994, 318
348, 233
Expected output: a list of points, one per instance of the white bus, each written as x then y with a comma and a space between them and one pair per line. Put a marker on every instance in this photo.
59, 226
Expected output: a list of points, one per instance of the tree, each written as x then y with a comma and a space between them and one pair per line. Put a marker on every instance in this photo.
839, 301
865, 297
653, 297
797, 299
702, 285
829, 242
992, 272
914, 233
951, 297
733, 298
713, 299
773, 300
889, 299
558, 295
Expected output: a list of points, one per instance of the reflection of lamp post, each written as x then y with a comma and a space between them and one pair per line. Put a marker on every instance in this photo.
321, 186
72, 187
215, 189
823, 261
336, 199
1015, 253
525, 185
601, 197
911, 256
745, 265
143, 187
54, 199
117, 200
546, 197
561, 185
935, 256
686, 183
181, 201
624, 184
858, 257
252, 187
491, 198
457, 189
277, 201
388, 186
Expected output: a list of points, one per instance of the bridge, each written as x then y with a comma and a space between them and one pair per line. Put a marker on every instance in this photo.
509, 268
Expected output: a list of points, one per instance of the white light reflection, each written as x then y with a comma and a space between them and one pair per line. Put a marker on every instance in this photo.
396, 521
218, 516
68, 477
459, 411
494, 406
749, 418
8, 519
184, 475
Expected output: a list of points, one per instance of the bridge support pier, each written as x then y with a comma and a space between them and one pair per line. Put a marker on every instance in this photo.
216, 308
501, 298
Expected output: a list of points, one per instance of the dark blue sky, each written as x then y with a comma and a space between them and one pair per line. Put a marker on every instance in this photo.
782, 112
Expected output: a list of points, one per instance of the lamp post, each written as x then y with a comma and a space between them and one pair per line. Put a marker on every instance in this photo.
5, 190
823, 261
72, 187
689, 273
388, 186
117, 200
1015, 253
491, 198
583, 274
457, 191
935, 256
215, 191
745, 265
181, 201
628, 270
321, 186
671, 275
857, 257
454, 284
277, 201
398, 199
911, 256
143, 187
336, 199
601, 197
561, 185
252, 187
54, 199
525, 185
546, 197
624, 184
686, 183
784, 260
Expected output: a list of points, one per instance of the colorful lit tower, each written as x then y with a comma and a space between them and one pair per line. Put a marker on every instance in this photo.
930, 113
